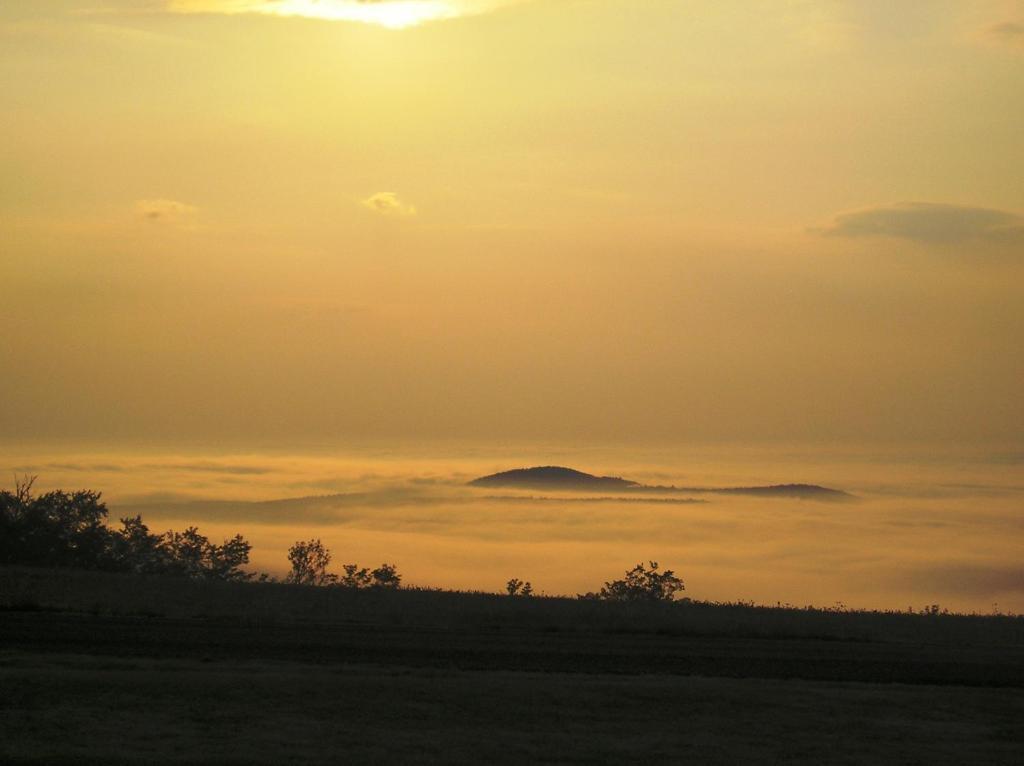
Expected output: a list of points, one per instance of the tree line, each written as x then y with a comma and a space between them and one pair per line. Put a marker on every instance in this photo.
69, 529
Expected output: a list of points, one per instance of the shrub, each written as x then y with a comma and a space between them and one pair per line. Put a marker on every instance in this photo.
641, 584
386, 576
309, 567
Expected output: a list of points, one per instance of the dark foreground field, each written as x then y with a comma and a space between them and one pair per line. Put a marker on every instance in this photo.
111, 669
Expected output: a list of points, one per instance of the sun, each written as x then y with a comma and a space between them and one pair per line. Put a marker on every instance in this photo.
393, 14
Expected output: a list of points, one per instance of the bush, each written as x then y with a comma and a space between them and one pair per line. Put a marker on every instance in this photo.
385, 576
516, 587
641, 584
309, 567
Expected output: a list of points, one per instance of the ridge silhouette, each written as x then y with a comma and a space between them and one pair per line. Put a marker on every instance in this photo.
552, 477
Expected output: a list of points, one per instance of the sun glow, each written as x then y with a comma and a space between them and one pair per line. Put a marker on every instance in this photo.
393, 14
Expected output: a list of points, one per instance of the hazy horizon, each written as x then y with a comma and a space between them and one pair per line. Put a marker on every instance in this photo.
924, 529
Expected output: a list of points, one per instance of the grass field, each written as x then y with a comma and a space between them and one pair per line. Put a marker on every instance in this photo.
70, 709
114, 669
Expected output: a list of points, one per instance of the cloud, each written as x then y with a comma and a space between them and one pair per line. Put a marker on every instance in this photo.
970, 579
1007, 33
202, 466
388, 203
209, 467
929, 223
163, 210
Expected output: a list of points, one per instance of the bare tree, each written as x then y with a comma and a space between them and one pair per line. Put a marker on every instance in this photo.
23, 488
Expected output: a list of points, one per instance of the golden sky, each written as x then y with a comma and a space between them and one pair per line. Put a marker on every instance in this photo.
712, 220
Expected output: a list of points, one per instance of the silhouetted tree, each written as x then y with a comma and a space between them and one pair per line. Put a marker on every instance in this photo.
309, 567
226, 560
188, 550
309, 564
641, 584
65, 529
193, 555
136, 549
516, 587
55, 529
385, 576
354, 577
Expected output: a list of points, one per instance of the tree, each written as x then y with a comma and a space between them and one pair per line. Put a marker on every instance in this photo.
355, 577
309, 564
386, 576
642, 584
69, 529
191, 554
64, 529
136, 549
516, 587
225, 561
188, 551
309, 567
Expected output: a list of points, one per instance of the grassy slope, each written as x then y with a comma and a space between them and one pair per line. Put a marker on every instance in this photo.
73, 709
115, 594
150, 670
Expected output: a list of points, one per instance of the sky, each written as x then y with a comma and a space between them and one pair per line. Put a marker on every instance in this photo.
302, 268
269, 222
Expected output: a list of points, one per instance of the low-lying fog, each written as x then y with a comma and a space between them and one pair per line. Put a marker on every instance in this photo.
926, 528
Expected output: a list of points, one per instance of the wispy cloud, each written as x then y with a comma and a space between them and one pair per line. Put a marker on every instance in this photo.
929, 223
388, 203
1007, 33
203, 466
978, 580
163, 210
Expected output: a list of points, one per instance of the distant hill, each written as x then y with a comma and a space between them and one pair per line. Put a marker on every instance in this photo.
552, 477
809, 491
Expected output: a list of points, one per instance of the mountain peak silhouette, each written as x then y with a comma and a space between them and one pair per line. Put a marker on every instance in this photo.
555, 477
552, 477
